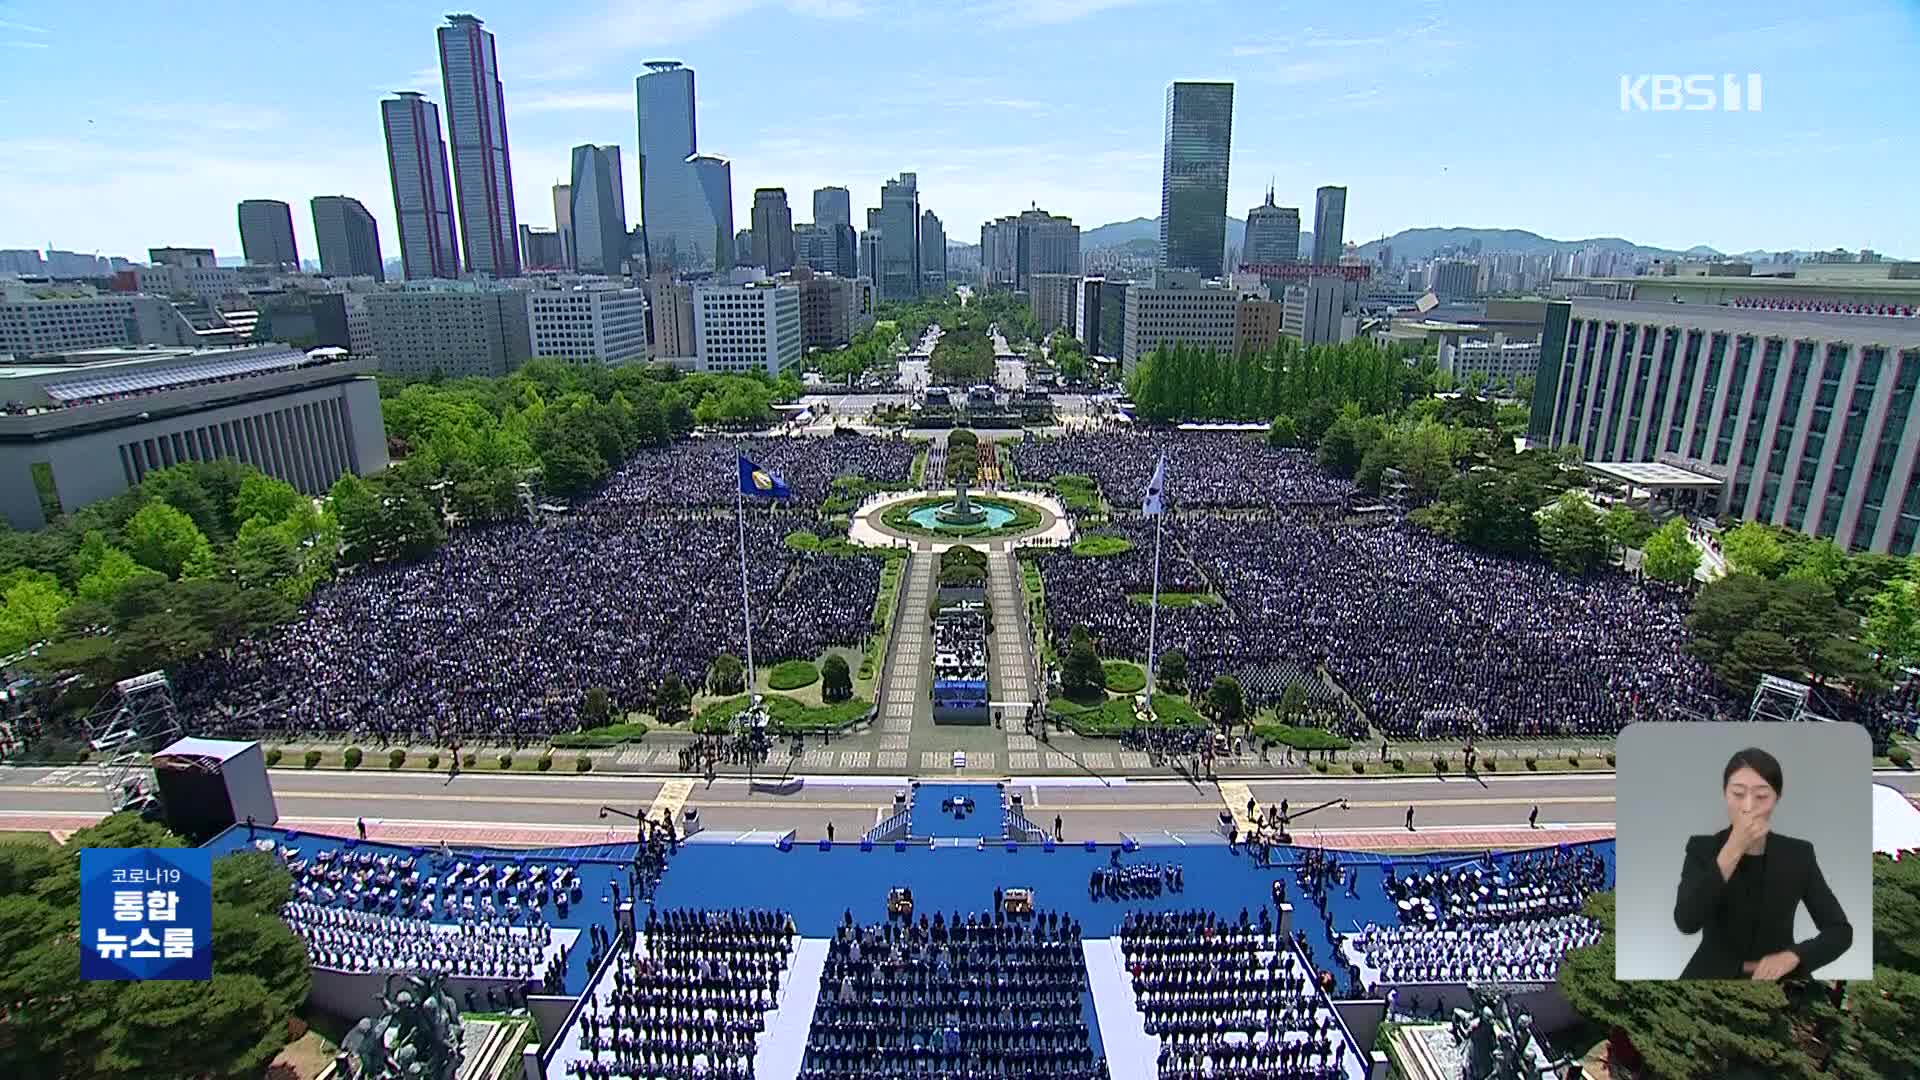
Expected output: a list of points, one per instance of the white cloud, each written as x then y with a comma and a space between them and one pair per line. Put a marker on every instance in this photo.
24, 44
8, 24
206, 116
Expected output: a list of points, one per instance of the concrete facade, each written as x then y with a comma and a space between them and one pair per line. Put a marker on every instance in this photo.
349, 238
1259, 328
1052, 299
456, 331
744, 328
1811, 420
305, 425
1177, 307
33, 325
586, 325
266, 234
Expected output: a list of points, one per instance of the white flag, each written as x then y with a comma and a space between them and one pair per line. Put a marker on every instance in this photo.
1157, 489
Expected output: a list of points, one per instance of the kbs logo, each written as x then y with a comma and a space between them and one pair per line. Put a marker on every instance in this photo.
1689, 93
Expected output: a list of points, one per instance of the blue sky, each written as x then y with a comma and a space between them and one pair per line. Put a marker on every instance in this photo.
124, 126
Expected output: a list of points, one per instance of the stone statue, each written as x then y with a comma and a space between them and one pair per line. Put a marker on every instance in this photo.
1499, 1039
417, 1036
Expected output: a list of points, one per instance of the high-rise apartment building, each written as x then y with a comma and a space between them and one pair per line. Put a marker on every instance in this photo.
1329, 225
686, 197
897, 221
563, 220
1273, 234
1193, 177
589, 325
933, 254
1809, 420
599, 214
349, 238
772, 230
1455, 279
1015, 247
477, 130
422, 192
266, 234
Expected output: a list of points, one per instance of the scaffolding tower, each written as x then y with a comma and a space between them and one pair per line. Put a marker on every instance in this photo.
1778, 699
132, 723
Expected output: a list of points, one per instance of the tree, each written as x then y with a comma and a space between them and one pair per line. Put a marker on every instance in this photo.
1081, 673
1284, 432
1226, 701
596, 707
1820, 561
1571, 534
164, 539
1755, 548
1293, 703
726, 676
1170, 670
1893, 623
1670, 555
31, 603
1627, 527
104, 570
263, 553
674, 702
265, 497
836, 680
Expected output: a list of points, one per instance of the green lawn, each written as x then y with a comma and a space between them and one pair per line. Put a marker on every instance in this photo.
789, 714
1124, 677
28, 837
1100, 544
1301, 738
1115, 715
1179, 599
792, 675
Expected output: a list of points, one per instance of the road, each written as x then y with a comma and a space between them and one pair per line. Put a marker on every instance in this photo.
556, 809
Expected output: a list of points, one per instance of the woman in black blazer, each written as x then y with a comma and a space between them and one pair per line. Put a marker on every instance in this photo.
1741, 886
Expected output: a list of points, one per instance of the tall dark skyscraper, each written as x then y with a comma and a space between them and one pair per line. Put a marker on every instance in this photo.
1273, 234
266, 234
422, 194
348, 237
897, 218
833, 211
1193, 177
597, 217
686, 197
772, 230
1329, 225
477, 129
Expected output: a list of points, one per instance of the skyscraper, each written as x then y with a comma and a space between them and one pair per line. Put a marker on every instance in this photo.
897, 277
1329, 225
477, 129
1193, 177
599, 212
833, 211
348, 238
422, 194
563, 220
933, 253
772, 230
266, 234
1015, 247
686, 197
1273, 234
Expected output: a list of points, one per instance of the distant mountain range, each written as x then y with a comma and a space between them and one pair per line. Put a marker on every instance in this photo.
1422, 243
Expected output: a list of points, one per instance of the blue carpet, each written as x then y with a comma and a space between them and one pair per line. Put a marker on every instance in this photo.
927, 819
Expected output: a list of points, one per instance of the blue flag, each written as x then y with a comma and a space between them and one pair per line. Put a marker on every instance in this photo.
760, 483
1156, 502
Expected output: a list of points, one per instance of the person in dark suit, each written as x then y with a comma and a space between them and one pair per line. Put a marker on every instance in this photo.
1740, 887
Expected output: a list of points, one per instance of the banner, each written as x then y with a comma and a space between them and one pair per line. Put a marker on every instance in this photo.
146, 913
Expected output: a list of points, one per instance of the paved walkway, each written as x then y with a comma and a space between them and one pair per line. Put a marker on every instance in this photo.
902, 700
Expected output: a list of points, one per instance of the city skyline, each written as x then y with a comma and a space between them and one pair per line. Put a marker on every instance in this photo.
1009, 133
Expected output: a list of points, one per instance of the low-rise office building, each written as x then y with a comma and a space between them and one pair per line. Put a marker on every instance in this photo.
40, 320
454, 328
1807, 420
1051, 297
87, 425
589, 325
1177, 307
749, 327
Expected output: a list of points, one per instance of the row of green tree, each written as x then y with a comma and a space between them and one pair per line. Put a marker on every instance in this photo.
1307, 384
962, 357
1778, 1030
1012, 312
874, 348
963, 456
58, 1027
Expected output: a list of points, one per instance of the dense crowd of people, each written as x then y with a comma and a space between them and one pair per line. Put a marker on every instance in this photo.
1524, 887
502, 632
1205, 470
701, 472
1229, 999
1527, 951
361, 941
962, 999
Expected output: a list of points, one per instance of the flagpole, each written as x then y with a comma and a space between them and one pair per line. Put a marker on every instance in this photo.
746, 604
1153, 616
